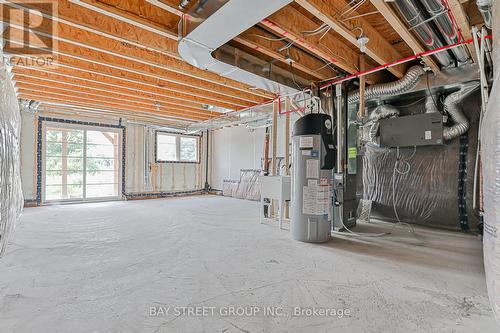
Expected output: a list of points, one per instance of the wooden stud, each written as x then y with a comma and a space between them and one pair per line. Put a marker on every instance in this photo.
362, 86
462, 20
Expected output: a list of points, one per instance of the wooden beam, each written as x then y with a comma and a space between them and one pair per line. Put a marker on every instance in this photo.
87, 19
462, 20
52, 98
81, 112
274, 160
290, 23
72, 41
124, 83
377, 48
168, 24
362, 86
169, 6
259, 41
51, 80
33, 83
86, 59
402, 30
302, 62
69, 96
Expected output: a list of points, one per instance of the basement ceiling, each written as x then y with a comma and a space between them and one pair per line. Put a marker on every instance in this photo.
119, 57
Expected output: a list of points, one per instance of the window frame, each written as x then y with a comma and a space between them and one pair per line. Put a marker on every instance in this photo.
47, 124
178, 137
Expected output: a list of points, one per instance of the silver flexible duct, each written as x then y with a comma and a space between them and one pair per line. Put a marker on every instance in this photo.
430, 104
486, 9
443, 21
380, 112
452, 105
407, 82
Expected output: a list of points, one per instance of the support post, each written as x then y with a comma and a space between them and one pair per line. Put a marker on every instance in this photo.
287, 148
274, 161
362, 85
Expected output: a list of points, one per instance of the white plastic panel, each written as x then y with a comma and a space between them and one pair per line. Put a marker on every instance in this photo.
11, 197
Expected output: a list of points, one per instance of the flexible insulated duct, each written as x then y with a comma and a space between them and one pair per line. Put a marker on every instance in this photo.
407, 82
486, 9
382, 111
418, 23
443, 21
452, 105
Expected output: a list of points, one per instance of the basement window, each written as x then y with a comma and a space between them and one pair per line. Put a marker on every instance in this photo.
177, 148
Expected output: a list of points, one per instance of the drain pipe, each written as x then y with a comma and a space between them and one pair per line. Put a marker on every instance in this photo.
214, 24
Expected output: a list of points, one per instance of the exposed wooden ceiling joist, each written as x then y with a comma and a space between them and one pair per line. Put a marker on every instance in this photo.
127, 86
462, 21
79, 101
391, 17
377, 48
292, 24
129, 17
50, 86
72, 41
103, 101
301, 61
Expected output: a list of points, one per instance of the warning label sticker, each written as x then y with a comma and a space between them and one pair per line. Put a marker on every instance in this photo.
316, 197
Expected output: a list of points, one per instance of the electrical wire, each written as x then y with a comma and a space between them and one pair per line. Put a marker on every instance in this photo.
269, 38
405, 171
293, 77
324, 34
315, 31
430, 92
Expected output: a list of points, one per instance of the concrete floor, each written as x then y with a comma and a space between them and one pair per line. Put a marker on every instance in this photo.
111, 267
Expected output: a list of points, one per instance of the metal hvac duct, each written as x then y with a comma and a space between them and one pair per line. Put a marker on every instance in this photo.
443, 21
407, 82
418, 23
486, 8
452, 105
212, 23
382, 111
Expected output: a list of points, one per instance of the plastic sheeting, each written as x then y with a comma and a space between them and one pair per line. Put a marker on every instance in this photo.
428, 193
490, 152
246, 188
425, 195
11, 197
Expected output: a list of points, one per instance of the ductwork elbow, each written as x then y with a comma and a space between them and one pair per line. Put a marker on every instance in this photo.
452, 105
486, 9
406, 83
204, 35
382, 111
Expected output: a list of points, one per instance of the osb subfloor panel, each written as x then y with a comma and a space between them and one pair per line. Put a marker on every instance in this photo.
109, 267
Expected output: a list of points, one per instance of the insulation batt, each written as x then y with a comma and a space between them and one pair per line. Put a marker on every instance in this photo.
11, 197
490, 154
